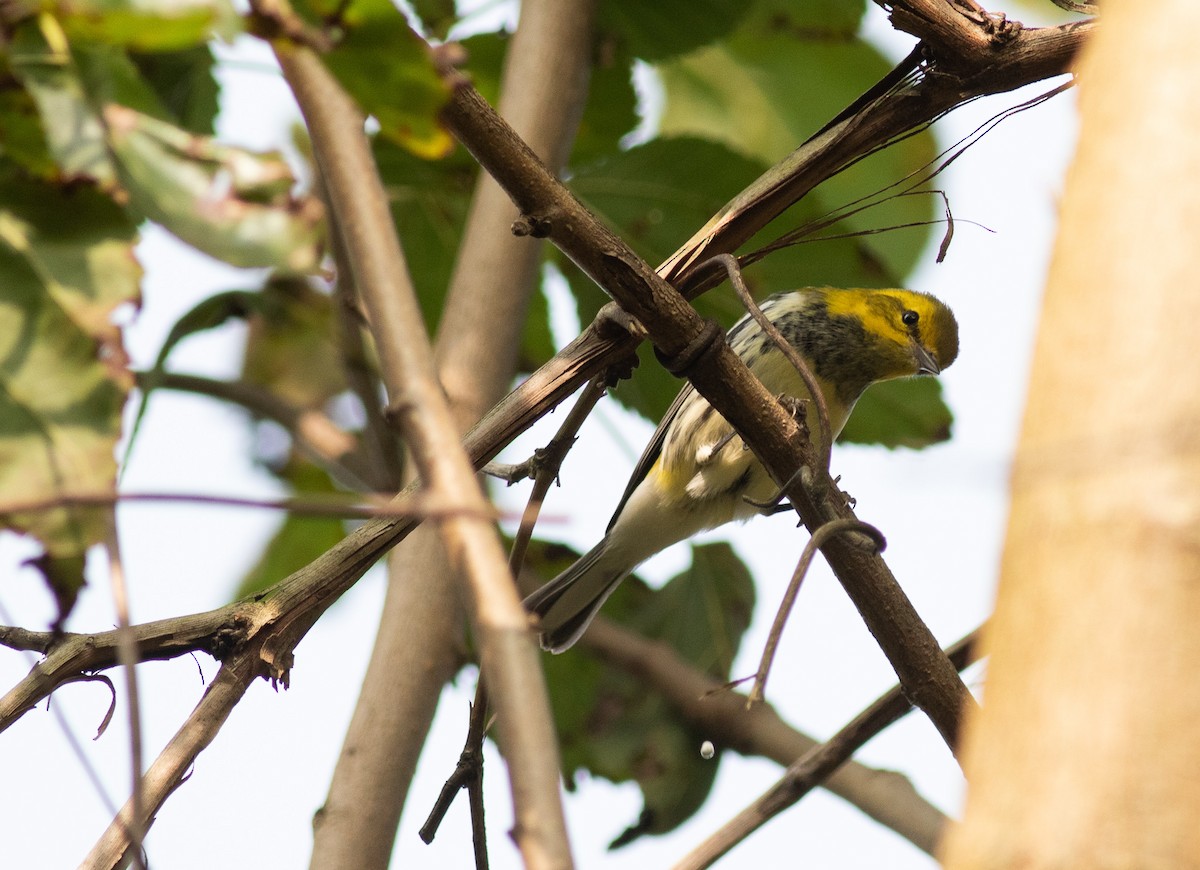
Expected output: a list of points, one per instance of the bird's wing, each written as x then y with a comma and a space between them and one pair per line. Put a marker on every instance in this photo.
653, 450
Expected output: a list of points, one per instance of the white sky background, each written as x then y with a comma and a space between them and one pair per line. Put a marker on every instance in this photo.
250, 800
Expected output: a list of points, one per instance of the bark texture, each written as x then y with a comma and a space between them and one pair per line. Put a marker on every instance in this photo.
1085, 754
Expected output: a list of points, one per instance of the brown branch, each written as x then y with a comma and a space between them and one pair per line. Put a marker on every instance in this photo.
170, 769
722, 717
290, 608
738, 282
816, 765
547, 463
420, 642
931, 81
819, 537
508, 653
912, 100
127, 656
723, 379
68, 655
380, 443
544, 465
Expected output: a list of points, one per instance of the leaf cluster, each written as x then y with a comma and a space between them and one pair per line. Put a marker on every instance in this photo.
107, 117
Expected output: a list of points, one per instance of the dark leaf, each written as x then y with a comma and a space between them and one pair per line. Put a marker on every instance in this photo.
610, 725
904, 413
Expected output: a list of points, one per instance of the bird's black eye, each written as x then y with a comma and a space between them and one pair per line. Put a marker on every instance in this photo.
910, 318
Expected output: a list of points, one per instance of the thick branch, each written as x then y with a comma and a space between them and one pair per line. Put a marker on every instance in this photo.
420, 644
723, 379
172, 765
509, 656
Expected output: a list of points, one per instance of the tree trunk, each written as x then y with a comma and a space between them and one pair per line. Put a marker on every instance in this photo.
1085, 754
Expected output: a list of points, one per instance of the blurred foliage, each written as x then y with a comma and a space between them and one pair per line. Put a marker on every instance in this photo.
66, 262
299, 539
291, 350
386, 67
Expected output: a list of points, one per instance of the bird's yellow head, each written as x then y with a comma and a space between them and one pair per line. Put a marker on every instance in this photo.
908, 333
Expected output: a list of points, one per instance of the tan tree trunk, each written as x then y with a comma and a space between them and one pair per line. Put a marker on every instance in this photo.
1087, 752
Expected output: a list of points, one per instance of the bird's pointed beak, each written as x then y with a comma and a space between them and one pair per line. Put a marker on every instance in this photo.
926, 364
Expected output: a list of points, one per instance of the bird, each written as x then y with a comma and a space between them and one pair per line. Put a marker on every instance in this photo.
697, 473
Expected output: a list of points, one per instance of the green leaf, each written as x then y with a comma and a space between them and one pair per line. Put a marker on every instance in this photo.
386, 67
148, 25
537, 341
66, 261
653, 31
185, 85
656, 195
21, 137
438, 16
429, 201
216, 310
207, 314
230, 203
41, 60
300, 539
291, 350
109, 76
777, 80
610, 725
830, 20
904, 413
611, 111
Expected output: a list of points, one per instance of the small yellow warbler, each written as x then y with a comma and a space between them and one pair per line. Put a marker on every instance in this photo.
697, 474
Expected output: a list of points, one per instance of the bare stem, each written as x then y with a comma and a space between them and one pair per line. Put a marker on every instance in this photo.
508, 655
816, 765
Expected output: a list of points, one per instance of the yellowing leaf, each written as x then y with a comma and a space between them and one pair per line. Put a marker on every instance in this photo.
66, 260
386, 68
228, 202
40, 59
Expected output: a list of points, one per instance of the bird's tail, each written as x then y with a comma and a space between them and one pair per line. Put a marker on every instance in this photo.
567, 604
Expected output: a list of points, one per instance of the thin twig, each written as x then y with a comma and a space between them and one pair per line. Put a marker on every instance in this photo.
415, 505
815, 542
816, 765
551, 460
910, 184
1031, 56
417, 403
469, 770
314, 432
170, 769
127, 655
721, 716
